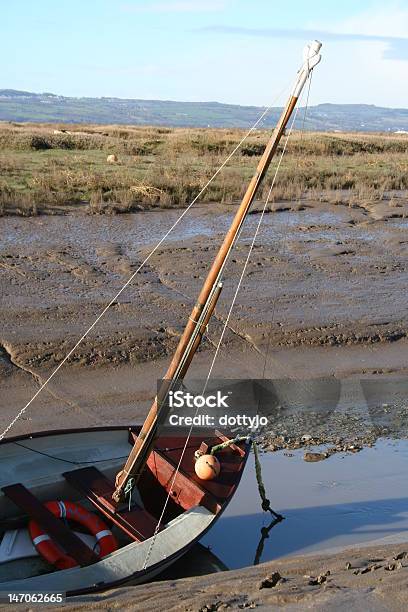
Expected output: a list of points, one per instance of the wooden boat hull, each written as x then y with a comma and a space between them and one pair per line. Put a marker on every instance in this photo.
43, 462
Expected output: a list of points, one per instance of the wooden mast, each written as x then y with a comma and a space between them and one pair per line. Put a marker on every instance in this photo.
185, 349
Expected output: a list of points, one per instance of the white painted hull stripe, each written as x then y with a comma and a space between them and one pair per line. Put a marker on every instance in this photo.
41, 538
63, 510
103, 534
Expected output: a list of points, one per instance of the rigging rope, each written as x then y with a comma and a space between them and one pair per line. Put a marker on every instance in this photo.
130, 279
307, 103
258, 227
153, 539
284, 239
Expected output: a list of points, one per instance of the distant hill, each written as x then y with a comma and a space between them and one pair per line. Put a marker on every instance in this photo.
47, 107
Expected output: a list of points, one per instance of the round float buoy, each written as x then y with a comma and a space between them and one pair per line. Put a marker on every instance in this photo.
74, 512
207, 467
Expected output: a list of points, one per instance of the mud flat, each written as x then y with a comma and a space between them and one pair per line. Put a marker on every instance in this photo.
373, 578
323, 297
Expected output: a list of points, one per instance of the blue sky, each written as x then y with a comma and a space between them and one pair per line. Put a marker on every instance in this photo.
238, 51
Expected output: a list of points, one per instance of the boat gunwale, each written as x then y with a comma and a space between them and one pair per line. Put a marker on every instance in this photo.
72, 430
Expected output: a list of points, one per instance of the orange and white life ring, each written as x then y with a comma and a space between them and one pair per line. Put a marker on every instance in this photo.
51, 552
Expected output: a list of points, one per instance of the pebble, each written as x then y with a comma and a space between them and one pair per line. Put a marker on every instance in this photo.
393, 566
270, 581
401, 555
321, 579
213, 607
390, 567
315, 456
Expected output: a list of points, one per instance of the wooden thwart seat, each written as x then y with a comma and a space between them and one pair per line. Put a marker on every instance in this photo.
55, 528
137, 523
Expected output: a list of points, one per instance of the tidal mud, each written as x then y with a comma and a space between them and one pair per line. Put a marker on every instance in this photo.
323, 298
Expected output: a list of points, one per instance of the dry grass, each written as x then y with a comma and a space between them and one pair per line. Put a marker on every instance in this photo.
47, 172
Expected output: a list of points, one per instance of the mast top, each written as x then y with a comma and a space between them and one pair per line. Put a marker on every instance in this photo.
311, 57
312, 49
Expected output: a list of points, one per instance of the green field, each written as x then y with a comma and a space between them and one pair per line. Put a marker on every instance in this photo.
47, 172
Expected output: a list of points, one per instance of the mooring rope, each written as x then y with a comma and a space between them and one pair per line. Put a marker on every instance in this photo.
219, 447
130, 279
266, 504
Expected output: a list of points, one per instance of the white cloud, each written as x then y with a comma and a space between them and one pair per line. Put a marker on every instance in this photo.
392, 21
366, 69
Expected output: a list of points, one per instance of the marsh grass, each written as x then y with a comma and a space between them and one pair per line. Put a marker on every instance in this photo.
46, 172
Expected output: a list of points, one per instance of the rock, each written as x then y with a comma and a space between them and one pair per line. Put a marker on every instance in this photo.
212, 607
354, 448
311, 457
316, 581
270, 581
321, 579
390, 567
401, 555
112, 159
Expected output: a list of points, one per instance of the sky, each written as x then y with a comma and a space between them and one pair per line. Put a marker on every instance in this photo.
234, 51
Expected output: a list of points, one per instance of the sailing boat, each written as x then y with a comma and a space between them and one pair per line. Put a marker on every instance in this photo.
123, 522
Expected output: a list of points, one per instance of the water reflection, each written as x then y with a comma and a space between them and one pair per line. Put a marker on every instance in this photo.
198, 561
347, 499
264, 536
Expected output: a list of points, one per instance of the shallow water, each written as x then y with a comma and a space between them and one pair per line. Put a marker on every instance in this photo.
135, 231
346, 499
